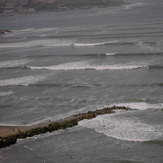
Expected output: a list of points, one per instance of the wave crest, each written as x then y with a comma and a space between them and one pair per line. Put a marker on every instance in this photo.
86, 65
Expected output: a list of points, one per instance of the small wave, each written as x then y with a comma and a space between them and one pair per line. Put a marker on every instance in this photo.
110, 54
94, 44
141, 105
13, 63
6, 93
86, 65
25, 81
19, 32
52, 43
38, 43
68, 85
147, 46
123, 128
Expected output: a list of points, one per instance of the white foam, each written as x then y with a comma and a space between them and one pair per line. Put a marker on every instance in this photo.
6, 93
141, 105
26, 80
94, 44
46, 29
14, 63
147, 46
110, 54
86, 65
122, 128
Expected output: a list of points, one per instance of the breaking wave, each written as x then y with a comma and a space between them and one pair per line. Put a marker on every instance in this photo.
141, 105
122, 128
85, 65
50, 42
94, 44
125, 128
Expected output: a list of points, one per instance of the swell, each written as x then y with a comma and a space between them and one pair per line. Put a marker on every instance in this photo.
85, 85
117, 34
14, 68
69, 43
155, 67
99, 54
157, 142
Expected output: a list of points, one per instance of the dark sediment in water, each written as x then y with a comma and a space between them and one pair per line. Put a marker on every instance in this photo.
10, 134
2, 31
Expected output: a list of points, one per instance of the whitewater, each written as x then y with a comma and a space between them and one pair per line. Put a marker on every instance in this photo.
57, 64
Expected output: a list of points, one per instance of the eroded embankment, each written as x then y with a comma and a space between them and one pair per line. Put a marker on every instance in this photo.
12, 133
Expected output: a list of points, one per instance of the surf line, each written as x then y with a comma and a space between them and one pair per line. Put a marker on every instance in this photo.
10, 134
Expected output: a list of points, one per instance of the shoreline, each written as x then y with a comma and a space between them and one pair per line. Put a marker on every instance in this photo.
10, 134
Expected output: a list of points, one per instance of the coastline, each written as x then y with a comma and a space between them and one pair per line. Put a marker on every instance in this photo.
10, 134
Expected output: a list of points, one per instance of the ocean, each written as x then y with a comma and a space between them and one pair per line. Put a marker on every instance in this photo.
57, 64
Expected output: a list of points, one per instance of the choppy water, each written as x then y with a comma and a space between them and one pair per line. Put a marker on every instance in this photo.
58, 64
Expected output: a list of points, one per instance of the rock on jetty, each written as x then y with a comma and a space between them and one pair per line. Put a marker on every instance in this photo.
10, 134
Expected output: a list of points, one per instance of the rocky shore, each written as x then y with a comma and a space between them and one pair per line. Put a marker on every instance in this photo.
10, 134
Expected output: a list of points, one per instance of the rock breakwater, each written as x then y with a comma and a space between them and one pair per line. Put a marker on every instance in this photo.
11, 133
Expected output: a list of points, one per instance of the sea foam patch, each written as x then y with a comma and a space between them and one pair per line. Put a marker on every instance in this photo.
119, 127
141, 105
94, 44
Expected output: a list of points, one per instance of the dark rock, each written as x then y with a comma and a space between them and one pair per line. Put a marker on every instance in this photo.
57, 125
4, 31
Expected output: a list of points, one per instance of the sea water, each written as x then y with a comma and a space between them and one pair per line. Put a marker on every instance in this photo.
56, 64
